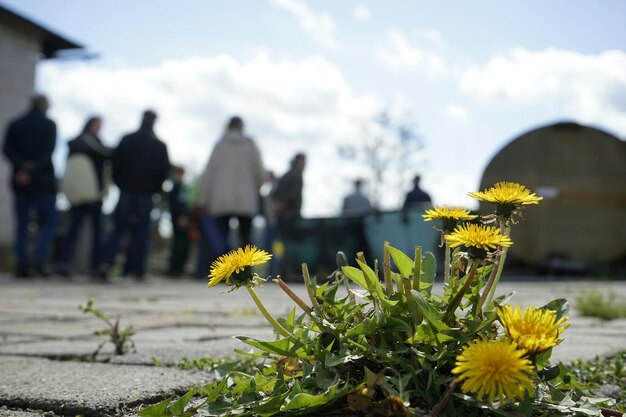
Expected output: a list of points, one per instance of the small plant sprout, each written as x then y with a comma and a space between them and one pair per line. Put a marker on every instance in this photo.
120, 338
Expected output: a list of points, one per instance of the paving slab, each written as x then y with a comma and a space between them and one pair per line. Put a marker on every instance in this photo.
64, 350
53, 328
89, 389
198, 333
5, 412
168, 353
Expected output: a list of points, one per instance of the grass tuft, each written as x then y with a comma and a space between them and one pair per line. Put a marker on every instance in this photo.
595, 304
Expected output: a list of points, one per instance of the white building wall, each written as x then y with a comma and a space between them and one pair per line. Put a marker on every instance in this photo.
18, 58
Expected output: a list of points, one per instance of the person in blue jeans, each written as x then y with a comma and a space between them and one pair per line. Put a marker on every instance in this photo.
140, 166
85, 184
29, 142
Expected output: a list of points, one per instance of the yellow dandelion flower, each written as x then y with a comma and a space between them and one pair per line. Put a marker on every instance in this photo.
234, 262
494, 368
536, 330
452, 213
449, 216
508, 196
478, 239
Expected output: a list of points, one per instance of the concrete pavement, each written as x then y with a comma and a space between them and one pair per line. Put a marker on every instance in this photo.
45, 341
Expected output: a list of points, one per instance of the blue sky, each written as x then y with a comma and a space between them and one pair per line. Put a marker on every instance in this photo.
308, 75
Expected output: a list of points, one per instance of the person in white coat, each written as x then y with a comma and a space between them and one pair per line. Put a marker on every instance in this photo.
230, 184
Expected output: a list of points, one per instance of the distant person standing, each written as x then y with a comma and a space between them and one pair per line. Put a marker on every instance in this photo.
287, 197
287, 205
179, 213
85, 184
231, 182
29, 142
356, 203
140, 165
416, 198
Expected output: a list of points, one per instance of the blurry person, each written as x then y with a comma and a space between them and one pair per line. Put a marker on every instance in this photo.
356, 203
231, 182
177, 197
85, 185
140, 165
287, 205
29, 142
416, 198
287, 197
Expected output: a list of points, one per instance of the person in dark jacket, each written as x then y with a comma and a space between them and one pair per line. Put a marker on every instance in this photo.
84, 186
287, 205
140, 165
416, 198
287, 197
29, 143
180, 222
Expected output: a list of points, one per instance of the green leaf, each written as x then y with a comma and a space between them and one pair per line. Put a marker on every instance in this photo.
374, 285
178, 407
396, 325
217, 408
425, 334
271, 406
504, 298
429, 271
402, 261
157, 410
431, 314
279, 347
560, 306
557, 395
355, 275
304, 400
365, 327
331, 360
550, 372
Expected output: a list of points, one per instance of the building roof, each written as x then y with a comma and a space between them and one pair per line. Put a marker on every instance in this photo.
51, 43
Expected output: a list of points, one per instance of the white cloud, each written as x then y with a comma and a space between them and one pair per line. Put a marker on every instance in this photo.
432, 35
588, 87
457, 113
362, 12
400, 55
320, 26
288, 106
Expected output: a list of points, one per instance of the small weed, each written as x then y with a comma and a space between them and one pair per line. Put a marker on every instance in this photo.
604, 371
595, 304
121, 338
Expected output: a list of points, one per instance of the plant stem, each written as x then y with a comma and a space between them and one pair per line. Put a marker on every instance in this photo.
417, 268
446, 265
309, 290
442, 402
294, 297
504, 251
387, 270
471, 276
489, 285
276, 325
361, 257
411, 304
